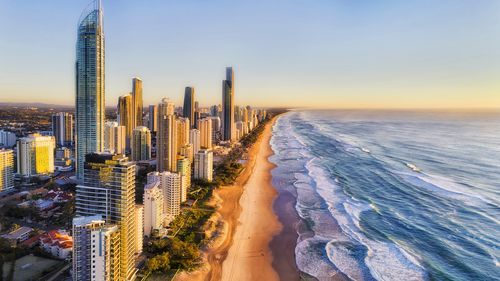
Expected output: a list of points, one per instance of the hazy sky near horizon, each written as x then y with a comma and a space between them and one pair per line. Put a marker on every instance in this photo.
318, 53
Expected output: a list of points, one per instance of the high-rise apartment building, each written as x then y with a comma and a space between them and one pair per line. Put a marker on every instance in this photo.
6, 169
166, 143
205, 127
7, 139
184, 170
194, 140
114, 138
214, 111
62, 128
96, 249
126, 115
141, 144
228, 106
35, 155
139, 228
203, 165
187, 151
90, 108
188, 108
137, 111
153, 118
153, 199
241, 129
109, 190
245, 114
182, 133
216, 124
171, 187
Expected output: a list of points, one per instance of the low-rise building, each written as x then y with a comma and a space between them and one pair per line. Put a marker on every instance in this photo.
57, 243
19, 235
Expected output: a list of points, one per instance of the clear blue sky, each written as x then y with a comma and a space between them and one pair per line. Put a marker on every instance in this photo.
326, 53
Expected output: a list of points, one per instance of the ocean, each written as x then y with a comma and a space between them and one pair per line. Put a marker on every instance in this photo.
393, 195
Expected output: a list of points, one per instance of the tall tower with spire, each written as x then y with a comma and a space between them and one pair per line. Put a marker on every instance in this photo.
90, 109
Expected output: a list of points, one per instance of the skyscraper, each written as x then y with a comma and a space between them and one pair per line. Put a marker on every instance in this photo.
7, 139
153, 118
139, 228
183, 126
203, 165
187, 151
141, 144
171, 188
166, 144
90, 109
6, 169
194, 139
96, 249
184, 170
228, 106
35, 155
205, 127
154, 213
188, 108
62, 128
114, 138
126, 115
215, 128
109, 190
137, 102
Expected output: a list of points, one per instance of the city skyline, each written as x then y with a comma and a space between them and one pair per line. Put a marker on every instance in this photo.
418, 57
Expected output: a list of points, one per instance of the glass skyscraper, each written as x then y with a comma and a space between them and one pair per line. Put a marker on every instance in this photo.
89, 85
188, 108
228, 130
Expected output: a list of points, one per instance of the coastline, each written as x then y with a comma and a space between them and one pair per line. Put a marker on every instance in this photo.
250, 257
242, 250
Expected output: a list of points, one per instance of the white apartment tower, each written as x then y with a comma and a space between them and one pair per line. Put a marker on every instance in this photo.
96, 249
203, 165
153, 199
114, 138
171, 184
194, 140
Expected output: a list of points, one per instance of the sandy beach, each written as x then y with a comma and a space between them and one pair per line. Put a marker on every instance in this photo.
243, 251
249, 257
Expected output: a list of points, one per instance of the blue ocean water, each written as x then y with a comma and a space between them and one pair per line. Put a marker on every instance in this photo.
393, 195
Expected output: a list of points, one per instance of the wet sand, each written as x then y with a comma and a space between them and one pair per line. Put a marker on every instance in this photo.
283, 244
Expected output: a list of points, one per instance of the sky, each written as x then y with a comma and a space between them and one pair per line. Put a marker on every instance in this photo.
287, 53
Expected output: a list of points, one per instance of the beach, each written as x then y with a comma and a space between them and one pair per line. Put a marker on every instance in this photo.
244, 250
249, 257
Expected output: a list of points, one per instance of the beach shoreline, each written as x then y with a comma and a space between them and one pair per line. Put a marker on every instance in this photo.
243, 250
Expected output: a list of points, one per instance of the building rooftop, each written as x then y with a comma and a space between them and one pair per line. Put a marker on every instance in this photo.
57, 238
87, 220
18, 233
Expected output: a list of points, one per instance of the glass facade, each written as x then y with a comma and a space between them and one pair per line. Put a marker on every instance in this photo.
89, 85
188, 108
228, 106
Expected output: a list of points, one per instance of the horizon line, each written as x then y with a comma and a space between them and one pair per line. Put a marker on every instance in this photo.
476, 108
